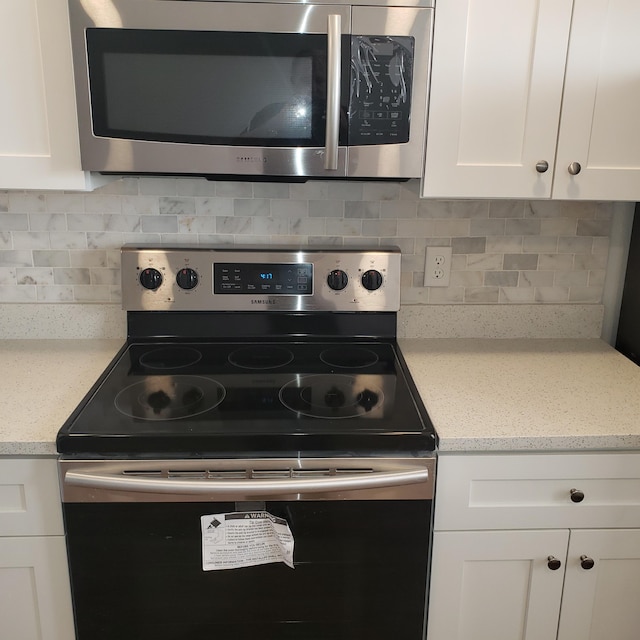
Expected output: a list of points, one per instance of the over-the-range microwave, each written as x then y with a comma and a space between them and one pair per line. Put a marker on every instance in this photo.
294, 90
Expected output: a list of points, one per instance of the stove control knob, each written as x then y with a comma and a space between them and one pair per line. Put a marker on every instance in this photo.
371, 280
150, 279
337, 280
187, 278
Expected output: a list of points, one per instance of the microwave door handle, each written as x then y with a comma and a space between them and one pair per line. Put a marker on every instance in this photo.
345, 482
334, 56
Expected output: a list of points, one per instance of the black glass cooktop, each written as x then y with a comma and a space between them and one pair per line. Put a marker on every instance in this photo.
178, 398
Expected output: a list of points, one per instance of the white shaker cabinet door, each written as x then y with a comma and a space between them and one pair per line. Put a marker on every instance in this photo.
34, 583
496, 585
601, 600
496, 89
39, 146
600, 125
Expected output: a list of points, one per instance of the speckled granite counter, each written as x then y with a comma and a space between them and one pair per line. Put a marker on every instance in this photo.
515, 395
482, 394
42, 383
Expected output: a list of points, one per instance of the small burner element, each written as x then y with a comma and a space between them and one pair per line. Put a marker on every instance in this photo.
349, 357
170, 358
169, 397
331, 396
261, 357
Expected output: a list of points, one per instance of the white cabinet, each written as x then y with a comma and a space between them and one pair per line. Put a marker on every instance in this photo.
524, 90
39, 146
34, 578
515, 557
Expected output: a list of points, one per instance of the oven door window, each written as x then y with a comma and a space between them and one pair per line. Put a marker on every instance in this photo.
208, 87
360, 572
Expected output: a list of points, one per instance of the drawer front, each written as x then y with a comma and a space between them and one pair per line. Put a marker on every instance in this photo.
29, 497
513, 491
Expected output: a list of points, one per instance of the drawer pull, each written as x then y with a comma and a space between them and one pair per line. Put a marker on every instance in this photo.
576, 495
586, 562
553, 563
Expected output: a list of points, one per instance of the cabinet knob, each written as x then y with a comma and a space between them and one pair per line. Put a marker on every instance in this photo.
576, 495
542, 166
553, 563
574, 168
586, 562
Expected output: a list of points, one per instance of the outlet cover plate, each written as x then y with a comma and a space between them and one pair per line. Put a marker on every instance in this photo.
437, 267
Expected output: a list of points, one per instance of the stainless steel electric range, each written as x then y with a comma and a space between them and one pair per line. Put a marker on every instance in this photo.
259, 390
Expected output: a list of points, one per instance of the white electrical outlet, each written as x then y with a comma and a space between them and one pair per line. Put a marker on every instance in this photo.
437, 267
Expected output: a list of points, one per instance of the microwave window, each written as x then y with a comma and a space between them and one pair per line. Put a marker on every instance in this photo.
211, 96
243, 89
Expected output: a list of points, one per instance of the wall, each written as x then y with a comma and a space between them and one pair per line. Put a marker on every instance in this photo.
63, 247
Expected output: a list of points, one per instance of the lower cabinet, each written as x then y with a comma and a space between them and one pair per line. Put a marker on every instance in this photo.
512, 585
561, 580
34, 578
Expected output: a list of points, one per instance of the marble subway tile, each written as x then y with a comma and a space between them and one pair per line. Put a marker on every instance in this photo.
369, 210
88, 259
520, 261
8, 276
51, 258
251, 207
34, 275
47, 222
71, 275
54, 293
214, 206
469, 245
508, 252
172, 206
14, 222
18, 293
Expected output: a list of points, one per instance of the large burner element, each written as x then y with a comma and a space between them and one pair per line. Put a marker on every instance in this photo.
169, 397
333, 396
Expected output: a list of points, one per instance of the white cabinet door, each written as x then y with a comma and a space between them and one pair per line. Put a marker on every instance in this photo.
496, 585
34, 583
39, 146
602, 603
600, 125
496, 88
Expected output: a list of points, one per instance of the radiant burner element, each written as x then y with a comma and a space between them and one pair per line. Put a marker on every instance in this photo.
349, 357
332, 396
261, 357
170, 358
169, 397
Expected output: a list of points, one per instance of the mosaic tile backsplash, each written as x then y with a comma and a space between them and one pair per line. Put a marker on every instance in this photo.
64, 247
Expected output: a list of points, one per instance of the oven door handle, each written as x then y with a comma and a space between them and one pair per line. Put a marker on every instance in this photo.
334, 55
343, 482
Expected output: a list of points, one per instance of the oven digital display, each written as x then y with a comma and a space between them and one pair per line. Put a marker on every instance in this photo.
261, 278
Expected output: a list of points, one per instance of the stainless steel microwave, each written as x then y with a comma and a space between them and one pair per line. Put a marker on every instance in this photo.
295, 90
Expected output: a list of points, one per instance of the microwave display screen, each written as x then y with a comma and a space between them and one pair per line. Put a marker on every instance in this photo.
230, 88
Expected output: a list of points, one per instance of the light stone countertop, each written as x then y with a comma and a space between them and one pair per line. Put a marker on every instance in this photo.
527, 395
43, 381
482, 394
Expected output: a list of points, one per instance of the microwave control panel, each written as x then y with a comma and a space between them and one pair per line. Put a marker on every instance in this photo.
380, 94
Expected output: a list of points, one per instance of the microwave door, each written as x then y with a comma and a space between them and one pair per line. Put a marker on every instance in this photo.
207, 88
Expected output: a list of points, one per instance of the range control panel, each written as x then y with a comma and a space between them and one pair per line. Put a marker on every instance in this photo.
202, 278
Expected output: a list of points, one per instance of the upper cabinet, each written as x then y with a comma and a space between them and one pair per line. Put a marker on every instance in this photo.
39, 146
535, 99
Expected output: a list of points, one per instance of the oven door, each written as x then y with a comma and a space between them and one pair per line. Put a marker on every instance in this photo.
211, 88
361, 532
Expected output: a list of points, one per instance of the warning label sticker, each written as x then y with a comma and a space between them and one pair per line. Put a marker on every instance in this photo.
245, 539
